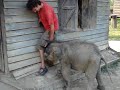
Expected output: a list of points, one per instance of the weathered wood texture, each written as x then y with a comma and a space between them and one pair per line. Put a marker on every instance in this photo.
89, 13
22, 25
116, 7
23, 33
4, 58
67, 9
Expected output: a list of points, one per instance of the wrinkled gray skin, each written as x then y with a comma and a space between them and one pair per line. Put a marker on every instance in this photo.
80, 56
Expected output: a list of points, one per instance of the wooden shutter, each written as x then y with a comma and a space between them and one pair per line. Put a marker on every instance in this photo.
89, 14
67, 14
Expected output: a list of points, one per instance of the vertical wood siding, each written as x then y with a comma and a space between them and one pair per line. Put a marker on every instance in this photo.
23, 32
116, 7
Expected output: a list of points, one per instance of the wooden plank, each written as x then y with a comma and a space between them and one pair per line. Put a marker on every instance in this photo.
24, 32
21, 11
100, 43
21, 4
97, 39
102, 8
23, 44
106, 1
21, 51
23, 38
23, 57
103, 47
28, 73
84, 33
21, 64
11, 19
77, 35
103, 12
25, 70
22, 25
102, 4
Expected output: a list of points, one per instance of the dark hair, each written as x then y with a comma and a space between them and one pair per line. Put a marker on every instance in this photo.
32, 3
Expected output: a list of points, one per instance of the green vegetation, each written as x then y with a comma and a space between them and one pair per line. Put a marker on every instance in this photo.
112, 67
111, 4
114, 34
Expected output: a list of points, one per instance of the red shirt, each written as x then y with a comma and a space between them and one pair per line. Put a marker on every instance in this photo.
47, 17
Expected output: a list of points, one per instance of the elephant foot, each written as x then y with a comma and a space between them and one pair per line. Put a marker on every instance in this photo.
101, 87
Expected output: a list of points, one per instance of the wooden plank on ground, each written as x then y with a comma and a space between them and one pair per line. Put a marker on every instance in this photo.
25, 70
25, 63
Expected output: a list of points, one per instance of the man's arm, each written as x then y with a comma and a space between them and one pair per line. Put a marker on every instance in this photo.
51, 32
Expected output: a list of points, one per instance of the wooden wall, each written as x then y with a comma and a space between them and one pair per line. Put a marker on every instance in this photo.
22, 33
98, 35
116, 7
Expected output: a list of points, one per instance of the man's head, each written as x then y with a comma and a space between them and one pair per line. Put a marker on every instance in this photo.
34, 5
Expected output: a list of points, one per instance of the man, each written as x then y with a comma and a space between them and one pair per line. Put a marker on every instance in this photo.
49, 20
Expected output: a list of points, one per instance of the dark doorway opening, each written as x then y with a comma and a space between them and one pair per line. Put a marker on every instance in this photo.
79, 13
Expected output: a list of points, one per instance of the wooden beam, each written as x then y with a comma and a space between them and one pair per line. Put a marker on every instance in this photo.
6, 70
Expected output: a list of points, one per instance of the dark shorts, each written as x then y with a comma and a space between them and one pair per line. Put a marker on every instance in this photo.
44, 41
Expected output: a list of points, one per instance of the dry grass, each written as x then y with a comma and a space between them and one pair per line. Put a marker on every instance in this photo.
114, 34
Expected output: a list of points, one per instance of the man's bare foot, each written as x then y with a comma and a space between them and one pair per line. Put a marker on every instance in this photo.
42, 65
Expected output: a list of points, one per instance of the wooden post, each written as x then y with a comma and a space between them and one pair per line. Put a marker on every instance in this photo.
114, 21
4, 44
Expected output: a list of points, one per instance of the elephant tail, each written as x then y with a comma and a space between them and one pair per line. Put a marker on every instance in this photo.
106, 65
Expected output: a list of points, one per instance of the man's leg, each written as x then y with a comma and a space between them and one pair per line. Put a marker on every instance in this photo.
43, 70
41, 52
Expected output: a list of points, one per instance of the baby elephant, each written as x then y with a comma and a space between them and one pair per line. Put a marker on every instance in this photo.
80, 56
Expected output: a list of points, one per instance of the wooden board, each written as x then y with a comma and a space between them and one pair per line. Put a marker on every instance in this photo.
116, 7
23, 38
22, 4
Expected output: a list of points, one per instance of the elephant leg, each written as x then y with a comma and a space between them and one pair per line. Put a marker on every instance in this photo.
99, 80
91, 72
66, 73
